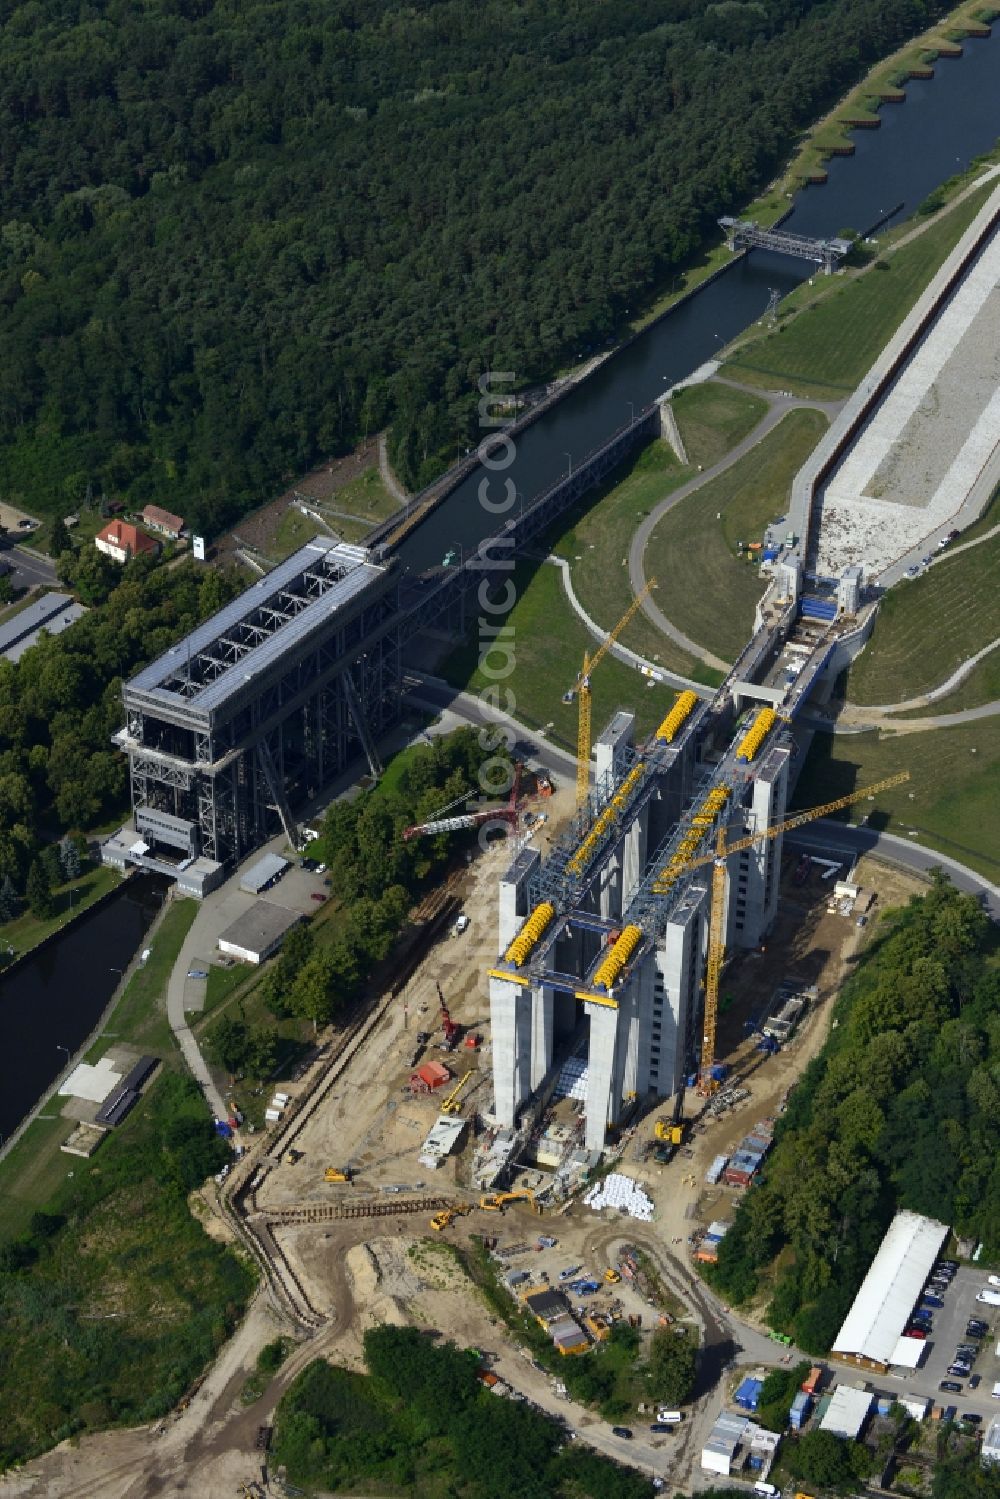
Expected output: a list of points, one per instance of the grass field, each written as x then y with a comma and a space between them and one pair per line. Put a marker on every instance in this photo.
595, 543
952, 800
926, 627
836, 328
366, 498
548, 646
713, 418
704, 588
140, 1015
981, 686
26, 931
35, 1167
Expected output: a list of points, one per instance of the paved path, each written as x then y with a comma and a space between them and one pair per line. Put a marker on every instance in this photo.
201, 939
389, 479
778, 407
862, 720
434, 693
827, 834
622, 652
935, 693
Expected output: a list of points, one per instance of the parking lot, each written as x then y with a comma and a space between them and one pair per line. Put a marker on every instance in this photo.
948, 1331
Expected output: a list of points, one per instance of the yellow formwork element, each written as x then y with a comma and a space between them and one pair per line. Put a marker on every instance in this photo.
687, 847
616, 959
678, 715
756, 734
530, 933
607, 819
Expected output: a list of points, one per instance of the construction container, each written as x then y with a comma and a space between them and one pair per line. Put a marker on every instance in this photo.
714, 1172
799, 1413
272, 1115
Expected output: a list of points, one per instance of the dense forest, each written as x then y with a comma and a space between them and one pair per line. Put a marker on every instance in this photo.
234, 238
62, 701
901, 1109
421, 1424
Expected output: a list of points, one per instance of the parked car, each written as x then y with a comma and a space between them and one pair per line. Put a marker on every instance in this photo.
621, 1431
934, 1302
951, 1386
972, 1418
993, 1280
975, 1381
920, 1333
661, 1426
317, 896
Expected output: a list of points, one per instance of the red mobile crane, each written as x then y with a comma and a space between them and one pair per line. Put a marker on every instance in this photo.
447, 1024
507, 813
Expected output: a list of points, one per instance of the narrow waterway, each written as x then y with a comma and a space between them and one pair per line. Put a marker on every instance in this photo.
945, 122
51, 1003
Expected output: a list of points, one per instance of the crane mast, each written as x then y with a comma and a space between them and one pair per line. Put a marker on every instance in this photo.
583, 693
716, 922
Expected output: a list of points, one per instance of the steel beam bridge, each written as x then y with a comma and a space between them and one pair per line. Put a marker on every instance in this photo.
744, 234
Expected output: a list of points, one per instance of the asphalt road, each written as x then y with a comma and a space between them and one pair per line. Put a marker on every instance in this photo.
530, 744
30, 571
825, 835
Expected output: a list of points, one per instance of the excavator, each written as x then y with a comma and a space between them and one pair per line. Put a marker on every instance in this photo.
338, 1174
496, 1202
673, 1133
457, 1210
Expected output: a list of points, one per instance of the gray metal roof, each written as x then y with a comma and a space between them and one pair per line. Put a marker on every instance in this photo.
30, 620
357, 575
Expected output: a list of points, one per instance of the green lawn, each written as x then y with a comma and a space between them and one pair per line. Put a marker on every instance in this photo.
841, 323
595, 543
982, 685
704, 587
26, 931
365, 496
927, 626
141, 1013
548, 646
952, 798
713, 418
30, 1172
295, 529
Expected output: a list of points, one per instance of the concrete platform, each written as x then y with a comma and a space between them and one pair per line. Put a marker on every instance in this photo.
916, 463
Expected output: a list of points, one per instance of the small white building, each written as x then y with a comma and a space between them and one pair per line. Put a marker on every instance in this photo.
258, 933
990, 1451
735, 1440
442, 1140
847, 1412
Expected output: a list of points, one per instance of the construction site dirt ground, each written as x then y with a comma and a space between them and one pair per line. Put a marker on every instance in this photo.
359, 1272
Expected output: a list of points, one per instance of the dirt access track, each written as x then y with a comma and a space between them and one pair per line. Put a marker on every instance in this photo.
360, 1271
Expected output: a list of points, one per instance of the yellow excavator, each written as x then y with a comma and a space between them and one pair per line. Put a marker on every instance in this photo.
673, 1133
457, 1210
496, 1202
338, 1174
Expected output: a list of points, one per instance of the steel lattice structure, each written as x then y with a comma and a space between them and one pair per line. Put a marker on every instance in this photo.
260, 708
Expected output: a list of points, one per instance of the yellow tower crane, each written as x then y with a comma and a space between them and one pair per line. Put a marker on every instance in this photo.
716, 923
583, 692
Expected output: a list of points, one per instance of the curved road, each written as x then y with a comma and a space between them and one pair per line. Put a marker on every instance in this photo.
778, 407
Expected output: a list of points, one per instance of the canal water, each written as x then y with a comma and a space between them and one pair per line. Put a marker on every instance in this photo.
51, 1003
945, 122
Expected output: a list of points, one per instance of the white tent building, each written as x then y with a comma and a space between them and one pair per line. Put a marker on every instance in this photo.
872, 1334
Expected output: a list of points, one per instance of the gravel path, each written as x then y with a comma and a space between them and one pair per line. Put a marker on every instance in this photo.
778, 407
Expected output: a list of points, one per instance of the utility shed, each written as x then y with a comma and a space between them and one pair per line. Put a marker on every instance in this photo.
990, 1451
719, 1454
873, 1327
259, 932
847, 1412
263, 873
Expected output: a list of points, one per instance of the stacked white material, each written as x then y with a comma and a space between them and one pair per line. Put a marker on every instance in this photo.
572, 1081
621, 1192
